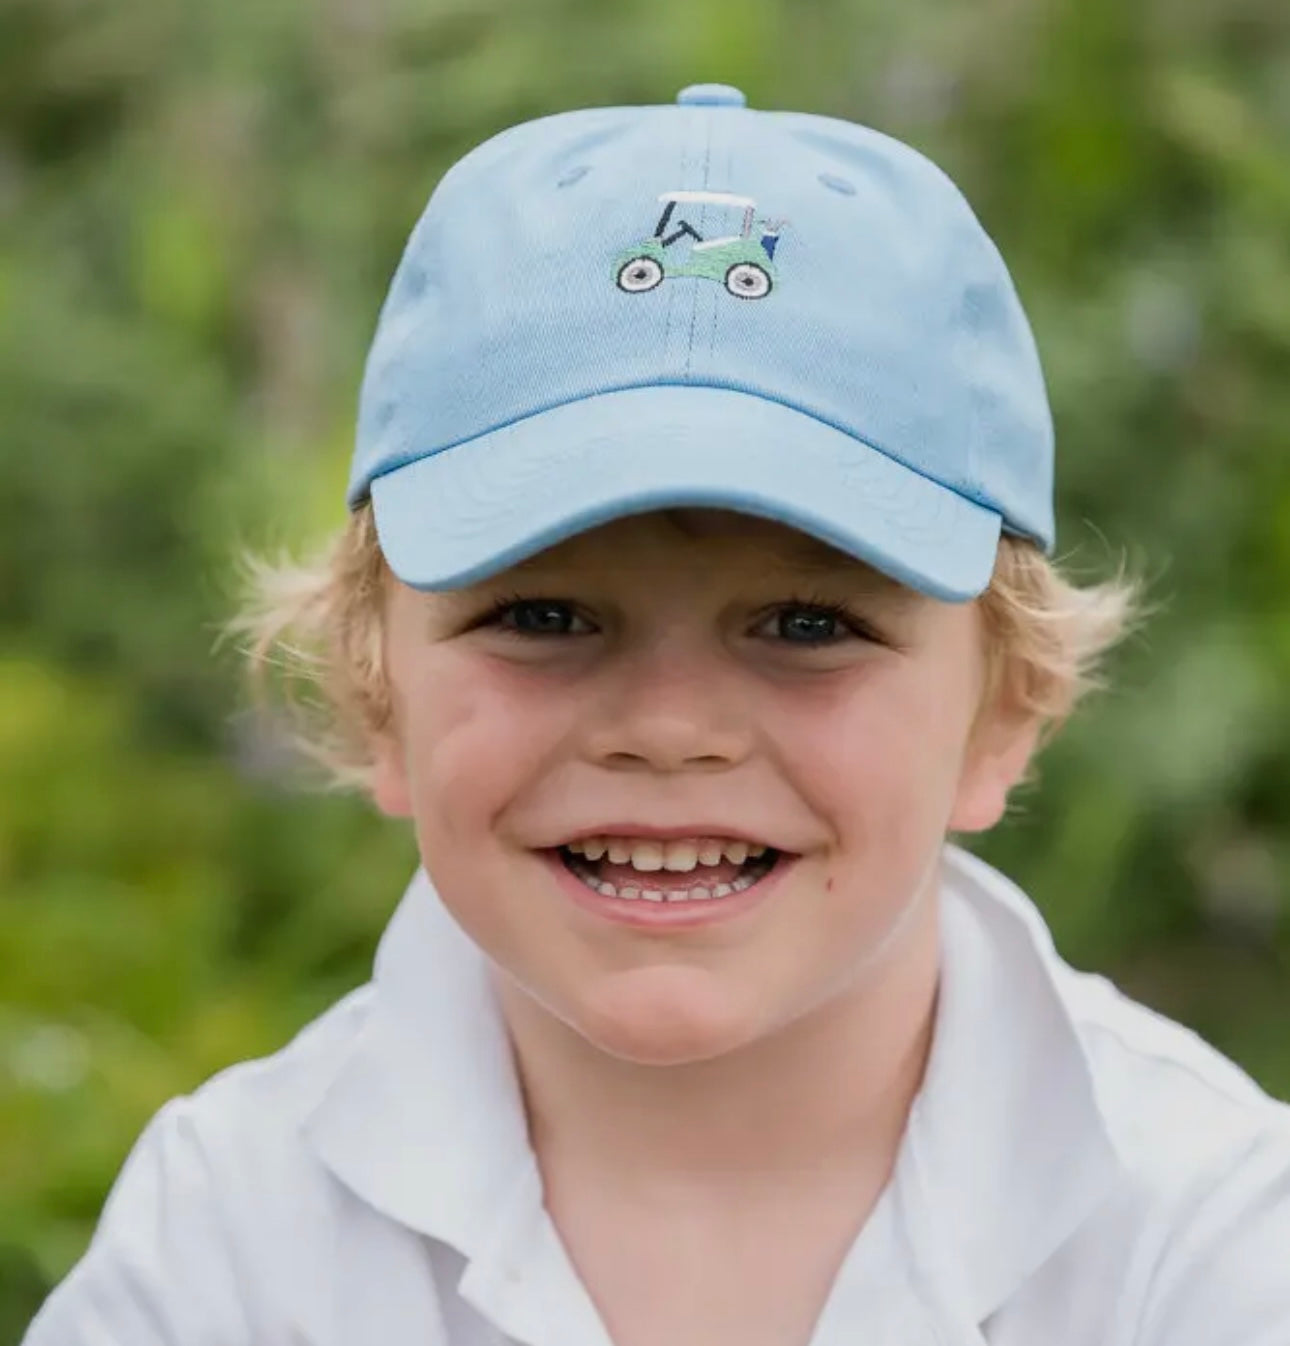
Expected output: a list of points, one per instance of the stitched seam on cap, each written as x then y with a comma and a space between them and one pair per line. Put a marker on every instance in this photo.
694, 289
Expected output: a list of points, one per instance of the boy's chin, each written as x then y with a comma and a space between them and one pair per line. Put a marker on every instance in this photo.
667, 1016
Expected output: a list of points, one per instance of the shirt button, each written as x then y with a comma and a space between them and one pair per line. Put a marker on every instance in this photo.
711, 95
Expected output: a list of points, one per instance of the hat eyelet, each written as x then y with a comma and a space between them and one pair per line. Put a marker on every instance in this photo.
834, 183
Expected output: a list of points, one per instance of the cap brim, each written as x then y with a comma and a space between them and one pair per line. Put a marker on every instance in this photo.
467, 512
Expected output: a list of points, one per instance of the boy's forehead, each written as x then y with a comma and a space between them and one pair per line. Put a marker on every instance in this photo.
715, 532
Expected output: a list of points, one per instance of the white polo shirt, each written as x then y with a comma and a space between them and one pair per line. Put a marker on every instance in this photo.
1076, 1171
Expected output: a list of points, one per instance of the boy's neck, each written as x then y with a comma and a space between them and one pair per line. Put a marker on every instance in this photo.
831, 1091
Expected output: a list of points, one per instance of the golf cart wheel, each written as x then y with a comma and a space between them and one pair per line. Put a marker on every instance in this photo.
639, 274
748, 280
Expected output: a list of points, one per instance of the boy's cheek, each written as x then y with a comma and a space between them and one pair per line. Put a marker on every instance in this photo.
461, 757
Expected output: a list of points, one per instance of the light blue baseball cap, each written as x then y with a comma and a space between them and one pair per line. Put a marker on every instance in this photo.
616, 310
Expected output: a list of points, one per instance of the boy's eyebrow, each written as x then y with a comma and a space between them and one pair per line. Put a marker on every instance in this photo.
817, 560
815, 557
805, 553
806, 557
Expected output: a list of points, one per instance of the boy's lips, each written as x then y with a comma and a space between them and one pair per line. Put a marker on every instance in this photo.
645, 832
646, 875
662, 913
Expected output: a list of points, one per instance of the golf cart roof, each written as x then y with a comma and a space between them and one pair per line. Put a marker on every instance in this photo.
710, 199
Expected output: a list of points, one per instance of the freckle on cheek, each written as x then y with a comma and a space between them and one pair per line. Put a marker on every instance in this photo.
828, 885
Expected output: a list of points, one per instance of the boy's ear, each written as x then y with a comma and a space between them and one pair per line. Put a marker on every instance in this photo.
1002, 744
389, 779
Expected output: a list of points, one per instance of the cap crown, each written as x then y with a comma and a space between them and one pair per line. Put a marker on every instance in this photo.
871, 298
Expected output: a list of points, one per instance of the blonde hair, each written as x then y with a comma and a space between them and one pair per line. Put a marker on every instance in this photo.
313, 632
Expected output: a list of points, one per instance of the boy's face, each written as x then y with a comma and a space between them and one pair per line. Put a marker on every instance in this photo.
686, 673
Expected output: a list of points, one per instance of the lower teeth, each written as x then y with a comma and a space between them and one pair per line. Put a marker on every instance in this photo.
630, 892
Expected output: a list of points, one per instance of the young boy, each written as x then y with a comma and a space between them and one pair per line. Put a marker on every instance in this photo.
694, 592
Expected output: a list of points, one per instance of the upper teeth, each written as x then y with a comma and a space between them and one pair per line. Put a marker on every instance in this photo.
675, 855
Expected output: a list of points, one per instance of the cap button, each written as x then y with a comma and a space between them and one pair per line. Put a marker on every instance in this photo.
711, 95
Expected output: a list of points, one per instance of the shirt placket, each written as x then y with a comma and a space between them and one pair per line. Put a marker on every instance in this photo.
889, 1290
524, 1282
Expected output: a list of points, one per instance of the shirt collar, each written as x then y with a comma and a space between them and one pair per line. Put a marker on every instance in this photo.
1007, 1151
424, 1120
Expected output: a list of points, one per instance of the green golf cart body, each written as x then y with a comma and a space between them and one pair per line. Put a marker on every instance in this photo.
742, 262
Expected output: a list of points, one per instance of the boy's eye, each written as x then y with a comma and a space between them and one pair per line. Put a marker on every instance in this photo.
539, 617
814, 624
806, 625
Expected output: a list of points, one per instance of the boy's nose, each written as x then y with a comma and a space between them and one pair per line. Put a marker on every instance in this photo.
668, 718
665, 744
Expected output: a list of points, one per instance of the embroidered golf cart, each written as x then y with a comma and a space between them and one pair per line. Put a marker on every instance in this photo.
741, 262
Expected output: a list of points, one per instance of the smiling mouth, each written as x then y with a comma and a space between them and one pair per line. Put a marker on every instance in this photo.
695, 871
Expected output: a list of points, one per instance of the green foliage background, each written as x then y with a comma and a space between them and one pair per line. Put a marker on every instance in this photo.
200, 206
